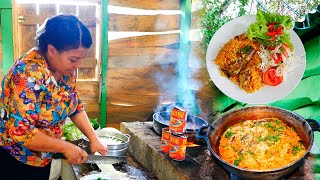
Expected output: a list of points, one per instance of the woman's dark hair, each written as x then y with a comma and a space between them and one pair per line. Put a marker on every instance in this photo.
64, 32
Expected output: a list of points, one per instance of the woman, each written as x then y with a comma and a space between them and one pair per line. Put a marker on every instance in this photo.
38, 94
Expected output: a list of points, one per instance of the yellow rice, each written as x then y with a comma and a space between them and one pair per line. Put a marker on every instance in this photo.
228, 55
263, 144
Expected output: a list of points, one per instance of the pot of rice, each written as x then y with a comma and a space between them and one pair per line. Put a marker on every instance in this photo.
260, 142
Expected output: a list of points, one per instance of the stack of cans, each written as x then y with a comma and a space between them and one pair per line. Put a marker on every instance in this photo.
174, 139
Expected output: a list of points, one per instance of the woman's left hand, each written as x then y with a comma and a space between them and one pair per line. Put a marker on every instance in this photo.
96, 146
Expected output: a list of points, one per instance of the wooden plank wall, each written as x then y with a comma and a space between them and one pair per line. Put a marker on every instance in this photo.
132, 90
134, 62
88, 84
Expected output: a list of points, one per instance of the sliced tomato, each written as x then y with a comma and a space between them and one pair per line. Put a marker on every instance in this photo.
271, 34
279, 30
271, 27
271, 48
270, 78
277, 58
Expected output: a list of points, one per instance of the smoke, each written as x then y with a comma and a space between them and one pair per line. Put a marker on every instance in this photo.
178, 85
188, 84
166, 80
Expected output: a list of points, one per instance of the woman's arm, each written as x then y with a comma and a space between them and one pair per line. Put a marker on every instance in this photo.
44, 143
81, 120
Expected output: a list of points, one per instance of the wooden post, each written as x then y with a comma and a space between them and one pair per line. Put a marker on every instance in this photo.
104, 63
7, 43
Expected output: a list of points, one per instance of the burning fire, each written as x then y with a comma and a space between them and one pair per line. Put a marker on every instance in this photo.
192, 144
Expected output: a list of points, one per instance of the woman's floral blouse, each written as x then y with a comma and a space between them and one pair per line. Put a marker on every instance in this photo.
32, 101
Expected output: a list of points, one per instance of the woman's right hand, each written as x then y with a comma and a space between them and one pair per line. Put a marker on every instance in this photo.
74, 154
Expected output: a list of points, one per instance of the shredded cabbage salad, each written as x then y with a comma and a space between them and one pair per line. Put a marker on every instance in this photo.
268, 56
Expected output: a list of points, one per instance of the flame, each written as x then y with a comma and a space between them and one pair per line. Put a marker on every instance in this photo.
192, 144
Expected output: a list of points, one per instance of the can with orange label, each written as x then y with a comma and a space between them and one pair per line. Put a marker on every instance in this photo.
178, 145
178, 120
165, 140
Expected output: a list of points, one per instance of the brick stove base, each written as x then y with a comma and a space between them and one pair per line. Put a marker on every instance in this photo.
144, 147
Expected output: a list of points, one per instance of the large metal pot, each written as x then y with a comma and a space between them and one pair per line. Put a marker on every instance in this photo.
218, 127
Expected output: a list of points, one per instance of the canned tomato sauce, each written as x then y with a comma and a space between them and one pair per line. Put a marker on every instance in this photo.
178, 120
165, 140
178, 145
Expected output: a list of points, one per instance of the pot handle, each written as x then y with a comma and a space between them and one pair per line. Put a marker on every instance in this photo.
128, 136
314, 124
199, 133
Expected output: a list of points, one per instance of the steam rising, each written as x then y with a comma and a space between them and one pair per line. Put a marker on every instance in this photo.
179, 87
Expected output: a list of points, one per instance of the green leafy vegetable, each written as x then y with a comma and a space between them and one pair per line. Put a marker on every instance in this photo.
100, 178
246, 49
238, 160
229, 134
71, 132
259, 29
295, 149
269, 140
272, 138
94, 122
268, 125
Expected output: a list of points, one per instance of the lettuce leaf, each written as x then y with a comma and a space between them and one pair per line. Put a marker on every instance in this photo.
286, 40
71, 132
258, 29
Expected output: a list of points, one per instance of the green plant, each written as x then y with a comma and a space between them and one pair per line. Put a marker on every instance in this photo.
212, 16
94, 122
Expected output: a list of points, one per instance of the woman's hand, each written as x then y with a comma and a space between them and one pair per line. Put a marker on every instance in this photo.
74, 154
96, 146
82, 122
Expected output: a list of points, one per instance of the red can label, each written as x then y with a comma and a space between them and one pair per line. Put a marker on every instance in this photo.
178, 120
178, 145
165, 140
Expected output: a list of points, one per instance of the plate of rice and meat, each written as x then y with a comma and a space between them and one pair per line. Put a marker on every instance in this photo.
256, 59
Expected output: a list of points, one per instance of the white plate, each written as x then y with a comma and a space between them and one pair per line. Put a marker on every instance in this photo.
101, 175
267, 93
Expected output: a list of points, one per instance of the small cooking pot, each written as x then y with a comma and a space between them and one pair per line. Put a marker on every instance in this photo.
162, 120
122, 138
291, 119
85, 145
